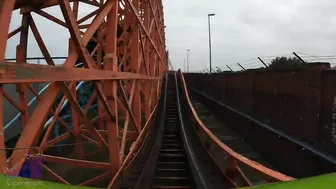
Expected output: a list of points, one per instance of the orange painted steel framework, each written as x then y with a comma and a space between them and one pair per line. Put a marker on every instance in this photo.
126, 80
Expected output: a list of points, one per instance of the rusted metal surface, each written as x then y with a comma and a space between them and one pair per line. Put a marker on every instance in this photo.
29, 73
125, 80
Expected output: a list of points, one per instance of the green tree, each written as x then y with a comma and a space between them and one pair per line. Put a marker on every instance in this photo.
284, 63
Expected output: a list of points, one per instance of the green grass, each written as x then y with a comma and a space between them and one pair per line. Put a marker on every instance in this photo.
18, 182
318, 182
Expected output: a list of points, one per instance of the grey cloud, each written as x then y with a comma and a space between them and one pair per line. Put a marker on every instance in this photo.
54, 36
241, 30
246, 29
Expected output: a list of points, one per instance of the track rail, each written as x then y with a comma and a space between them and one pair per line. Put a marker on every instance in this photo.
171, 154
172, 169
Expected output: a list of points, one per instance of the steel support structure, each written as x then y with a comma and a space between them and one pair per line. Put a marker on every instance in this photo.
125, 70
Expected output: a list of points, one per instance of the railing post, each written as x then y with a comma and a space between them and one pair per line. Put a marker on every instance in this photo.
111, 87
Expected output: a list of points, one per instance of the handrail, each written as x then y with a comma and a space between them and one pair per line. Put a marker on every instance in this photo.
254, 165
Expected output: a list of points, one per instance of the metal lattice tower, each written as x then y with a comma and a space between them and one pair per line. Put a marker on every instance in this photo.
124, 70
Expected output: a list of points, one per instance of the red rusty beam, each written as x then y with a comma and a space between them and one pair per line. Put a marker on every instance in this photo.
84, 26
25, 5
129, 109
53, 121
34, 92
35, 124
40, 42
51, 18
96, 179
155, 19
6, 7
82, 51
14, 32
76, 34
146, 32
87, 16
56, 176
21, 55
105, 92
75, 7
124, 138
143, 55
135, 99
10, 100
89, 139
138, 106
56, 140
133, 150
81, 115
75, 162
32, 73
90, 101
110, 88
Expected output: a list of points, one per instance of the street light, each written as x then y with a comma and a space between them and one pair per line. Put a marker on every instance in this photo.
184, 65
188, 60
209, 15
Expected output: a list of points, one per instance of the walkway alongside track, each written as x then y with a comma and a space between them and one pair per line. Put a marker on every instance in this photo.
177, 158
229, 137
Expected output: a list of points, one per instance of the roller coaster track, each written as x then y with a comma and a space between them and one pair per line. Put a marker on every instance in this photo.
187, 154
181, 163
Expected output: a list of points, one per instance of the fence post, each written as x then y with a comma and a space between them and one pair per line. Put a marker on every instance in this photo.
263, 62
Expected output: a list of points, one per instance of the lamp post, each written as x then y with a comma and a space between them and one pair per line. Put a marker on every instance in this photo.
209, 15
188, 60
184, 65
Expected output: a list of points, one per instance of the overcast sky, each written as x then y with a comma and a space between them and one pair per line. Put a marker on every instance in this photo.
241, 30
245, 29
